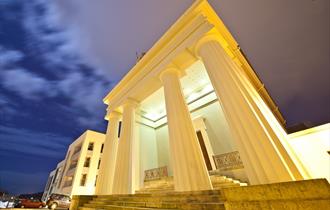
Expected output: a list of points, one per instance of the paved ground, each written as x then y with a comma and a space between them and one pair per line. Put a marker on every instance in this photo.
31, 209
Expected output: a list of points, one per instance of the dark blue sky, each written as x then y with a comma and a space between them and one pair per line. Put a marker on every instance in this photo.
59, 58
48, 96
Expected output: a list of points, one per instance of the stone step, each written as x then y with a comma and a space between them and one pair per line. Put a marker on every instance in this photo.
306, 195
162, 186
203, 206
230, 184
182, 206
210, 196
154, 190
166, 184
315, 204
118, 208
191, 199
160, 205
177, 194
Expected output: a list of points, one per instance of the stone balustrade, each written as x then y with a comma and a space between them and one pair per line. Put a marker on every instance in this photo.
228, 161
155, 173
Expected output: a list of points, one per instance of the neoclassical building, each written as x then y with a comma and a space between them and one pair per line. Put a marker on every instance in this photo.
193, 106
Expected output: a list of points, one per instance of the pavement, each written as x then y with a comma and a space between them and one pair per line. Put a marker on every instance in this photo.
31, 208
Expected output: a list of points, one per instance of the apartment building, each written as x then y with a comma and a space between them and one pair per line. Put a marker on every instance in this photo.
53, 181
77, 173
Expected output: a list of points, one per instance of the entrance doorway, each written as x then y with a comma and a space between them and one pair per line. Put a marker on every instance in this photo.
204, 150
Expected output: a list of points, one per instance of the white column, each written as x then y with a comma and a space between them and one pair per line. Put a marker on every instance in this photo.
123, 180
264, 157
108, 161
190, 172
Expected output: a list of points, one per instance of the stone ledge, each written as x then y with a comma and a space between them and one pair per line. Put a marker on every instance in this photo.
279, 205
306, 189
79, 200
298, 195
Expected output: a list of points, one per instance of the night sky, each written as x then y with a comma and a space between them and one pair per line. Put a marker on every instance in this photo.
58, 59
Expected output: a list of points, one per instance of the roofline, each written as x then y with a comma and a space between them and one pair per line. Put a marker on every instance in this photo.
233, 46
145, 60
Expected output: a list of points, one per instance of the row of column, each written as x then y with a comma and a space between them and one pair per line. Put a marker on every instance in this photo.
116, 169
264, 157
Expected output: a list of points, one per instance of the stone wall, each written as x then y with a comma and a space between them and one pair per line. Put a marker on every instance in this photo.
79, 200
304, 195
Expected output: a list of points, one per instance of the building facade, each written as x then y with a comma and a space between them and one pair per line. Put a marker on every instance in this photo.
193, 104
78, 172
53, 181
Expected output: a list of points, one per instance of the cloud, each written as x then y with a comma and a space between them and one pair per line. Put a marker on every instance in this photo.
9, 57
83, 92
83, 85
46, 38
7, 108
44, 144
3, 100
57, 45
27, 84
109, 33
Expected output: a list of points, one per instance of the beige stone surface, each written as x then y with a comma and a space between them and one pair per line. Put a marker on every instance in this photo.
299, 195
279, 205
79, 201
307, 189
304, 195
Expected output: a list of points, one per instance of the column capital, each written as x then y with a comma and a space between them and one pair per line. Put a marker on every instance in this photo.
112, 115
130, 102
211, 37
171, 71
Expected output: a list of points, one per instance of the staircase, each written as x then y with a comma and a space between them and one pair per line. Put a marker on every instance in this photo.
199, 200
166, 184
296, 195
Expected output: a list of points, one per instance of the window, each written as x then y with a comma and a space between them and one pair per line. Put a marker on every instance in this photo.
73, 164
68, 181
87, 162
83, 180
98, 165
102, 148
91, 146
95, 181
119, 129
77, 149
64, 168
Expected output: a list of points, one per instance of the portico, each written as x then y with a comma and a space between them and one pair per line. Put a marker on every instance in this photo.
194, 96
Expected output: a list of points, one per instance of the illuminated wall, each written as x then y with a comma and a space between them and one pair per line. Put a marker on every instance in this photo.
75, 171
154, 142
312, 147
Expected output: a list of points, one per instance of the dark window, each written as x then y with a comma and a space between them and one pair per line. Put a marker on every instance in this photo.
95, 181
119, 129
73, 164
83, 180
91, 146
64, 168
87, 162
77, 149
102, 148
98, 165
